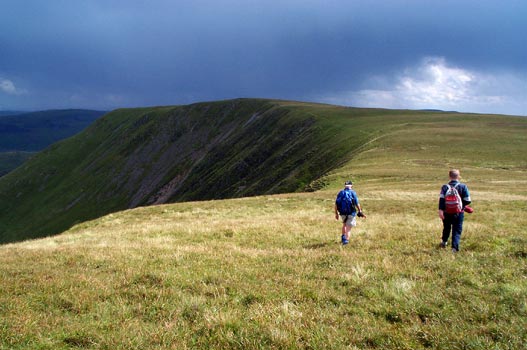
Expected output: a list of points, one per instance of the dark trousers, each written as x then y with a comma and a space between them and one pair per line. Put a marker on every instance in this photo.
454, 223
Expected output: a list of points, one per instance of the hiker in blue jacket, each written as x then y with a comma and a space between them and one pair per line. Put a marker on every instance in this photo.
454, 199
347, 207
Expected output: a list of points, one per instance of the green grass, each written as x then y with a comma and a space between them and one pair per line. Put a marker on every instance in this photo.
268, 272
11, 160
234, 148
24, 134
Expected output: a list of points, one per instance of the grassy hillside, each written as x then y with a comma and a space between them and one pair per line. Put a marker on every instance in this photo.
136, 157
11, 160
36, 130
226, 149
268, 272
22, 134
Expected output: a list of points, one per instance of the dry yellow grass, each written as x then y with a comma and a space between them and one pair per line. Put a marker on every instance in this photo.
269, 271
258, 272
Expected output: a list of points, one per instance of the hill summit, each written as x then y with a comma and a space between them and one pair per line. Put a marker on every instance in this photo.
146, 156
226, 149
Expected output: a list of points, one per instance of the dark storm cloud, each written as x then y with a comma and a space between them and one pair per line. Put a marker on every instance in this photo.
107, 54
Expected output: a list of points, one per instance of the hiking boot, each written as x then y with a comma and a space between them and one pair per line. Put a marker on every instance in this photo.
443, 244
344, 240
454, 250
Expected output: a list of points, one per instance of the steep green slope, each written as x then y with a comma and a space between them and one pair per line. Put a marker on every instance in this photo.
11, 160
23, 134
269, 272
134, 157
146, 156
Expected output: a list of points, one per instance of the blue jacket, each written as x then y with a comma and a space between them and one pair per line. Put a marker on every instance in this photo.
462, 190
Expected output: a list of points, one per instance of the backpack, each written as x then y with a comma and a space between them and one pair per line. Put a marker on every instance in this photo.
453, 203
344, 202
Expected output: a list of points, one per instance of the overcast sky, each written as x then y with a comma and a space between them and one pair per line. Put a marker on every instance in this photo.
460, 55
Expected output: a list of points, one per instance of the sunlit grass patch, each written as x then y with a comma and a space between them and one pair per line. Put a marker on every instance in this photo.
270, 272
272, 278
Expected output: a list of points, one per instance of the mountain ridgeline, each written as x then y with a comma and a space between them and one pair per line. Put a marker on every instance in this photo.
147, 156
24, 134
214, 150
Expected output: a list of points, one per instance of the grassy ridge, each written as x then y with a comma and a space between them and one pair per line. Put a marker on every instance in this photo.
145, 156
268, 271
153, 155
23, 134
11, 160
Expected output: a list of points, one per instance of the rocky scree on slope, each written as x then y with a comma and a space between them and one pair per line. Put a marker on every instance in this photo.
157, 155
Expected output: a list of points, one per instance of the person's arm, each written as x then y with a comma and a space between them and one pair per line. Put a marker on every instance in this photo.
466, 196
359, 208
441, 206
336, 212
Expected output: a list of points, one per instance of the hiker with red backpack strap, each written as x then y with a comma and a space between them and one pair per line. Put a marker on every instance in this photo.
454, 199
347, 206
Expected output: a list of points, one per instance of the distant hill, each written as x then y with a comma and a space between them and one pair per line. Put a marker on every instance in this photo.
226, 149
22, 134
36, 130
4, 113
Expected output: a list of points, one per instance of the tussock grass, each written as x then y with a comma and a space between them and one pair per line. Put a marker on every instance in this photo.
269, 272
